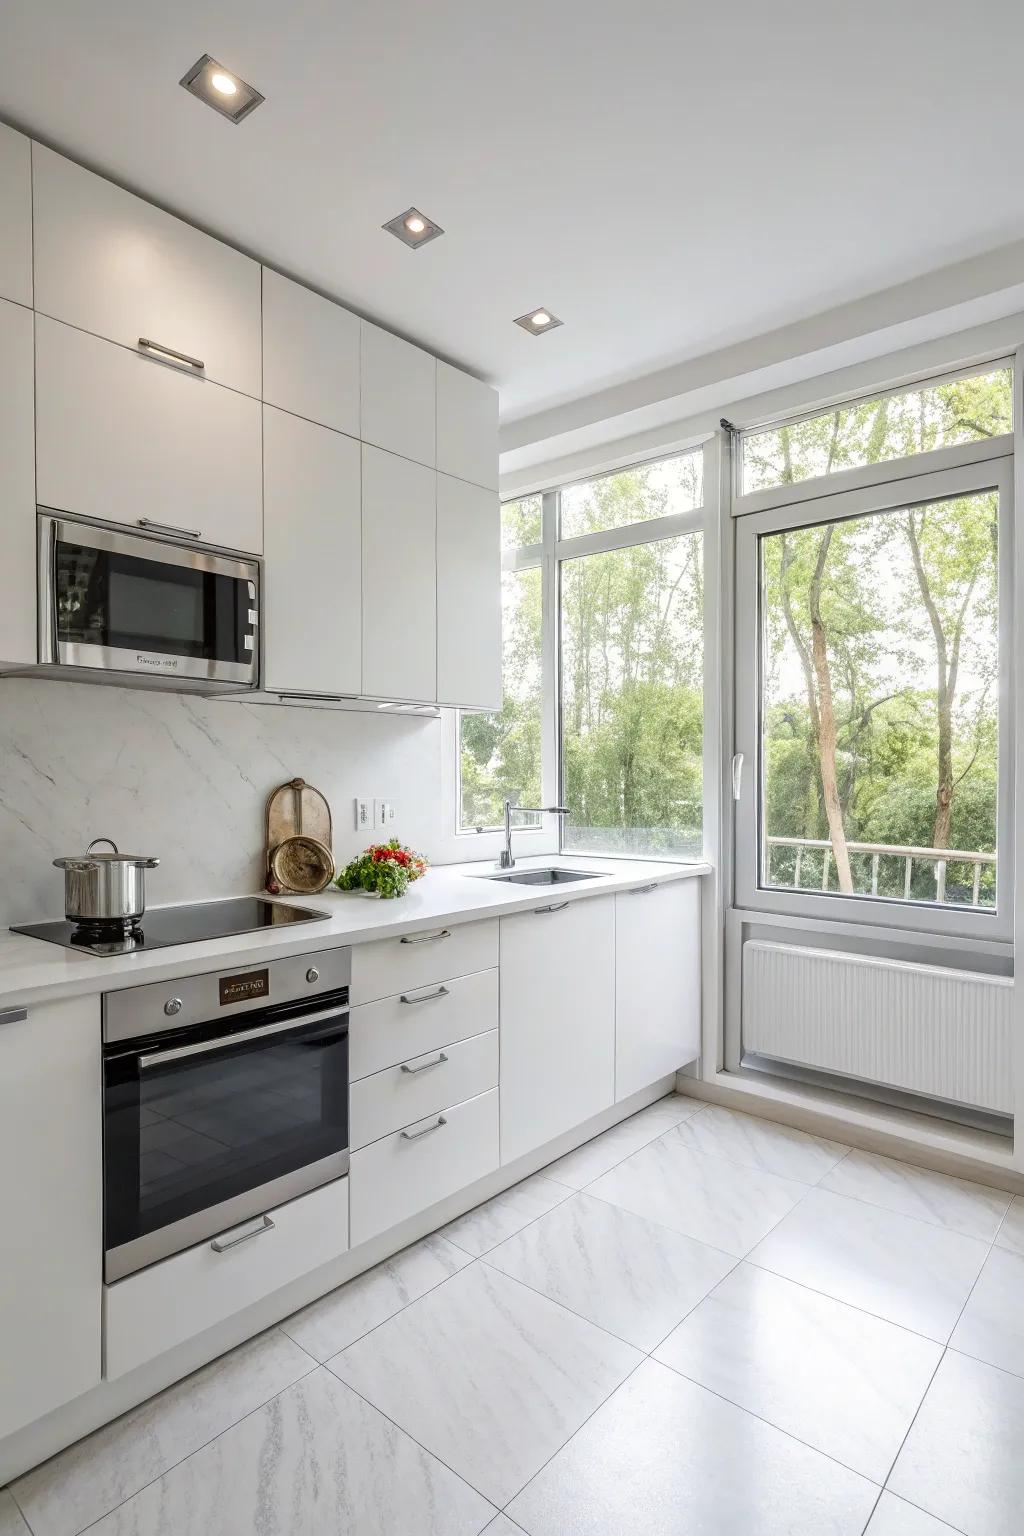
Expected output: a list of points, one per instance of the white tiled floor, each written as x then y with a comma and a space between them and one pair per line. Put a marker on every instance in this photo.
697, 1322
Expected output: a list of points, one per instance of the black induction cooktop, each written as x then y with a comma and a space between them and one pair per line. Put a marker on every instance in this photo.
162, 926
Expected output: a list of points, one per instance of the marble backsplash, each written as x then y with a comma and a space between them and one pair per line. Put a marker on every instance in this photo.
186, 778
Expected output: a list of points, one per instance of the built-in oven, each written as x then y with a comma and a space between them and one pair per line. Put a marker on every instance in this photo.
147, 604
224, 1095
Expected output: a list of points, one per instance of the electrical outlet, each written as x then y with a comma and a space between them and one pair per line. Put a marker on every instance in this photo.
383, 814
364, 815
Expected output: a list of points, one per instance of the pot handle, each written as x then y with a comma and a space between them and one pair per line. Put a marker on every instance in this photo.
96, 840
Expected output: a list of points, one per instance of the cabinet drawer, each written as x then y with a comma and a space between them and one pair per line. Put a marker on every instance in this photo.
110, 263
421, 1086
391, 966
161, 1306
408, 1172
384, 1033
119, 437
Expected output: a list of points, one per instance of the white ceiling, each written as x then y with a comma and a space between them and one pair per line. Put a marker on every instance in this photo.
669, 178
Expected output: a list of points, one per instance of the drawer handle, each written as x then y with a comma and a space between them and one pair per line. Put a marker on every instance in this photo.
641, 890
426, 1131
13, 1015
181, 533
179, 357
220, 1246
426, 938
559, 906
428, 997
426, 1066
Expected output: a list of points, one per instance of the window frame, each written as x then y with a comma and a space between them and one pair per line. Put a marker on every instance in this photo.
909, 482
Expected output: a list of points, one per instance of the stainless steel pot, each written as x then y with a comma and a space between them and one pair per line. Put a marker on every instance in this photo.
104, 887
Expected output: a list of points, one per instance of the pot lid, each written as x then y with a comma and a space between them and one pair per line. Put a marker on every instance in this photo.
89, 860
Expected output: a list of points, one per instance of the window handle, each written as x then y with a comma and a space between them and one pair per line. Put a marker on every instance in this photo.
737, 775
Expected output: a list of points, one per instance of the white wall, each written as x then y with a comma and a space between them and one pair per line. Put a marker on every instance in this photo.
185, 778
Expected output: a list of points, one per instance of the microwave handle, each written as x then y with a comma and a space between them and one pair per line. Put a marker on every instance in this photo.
240, 1037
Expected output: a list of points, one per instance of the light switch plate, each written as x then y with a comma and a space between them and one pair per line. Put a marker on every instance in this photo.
364, 815
383, 814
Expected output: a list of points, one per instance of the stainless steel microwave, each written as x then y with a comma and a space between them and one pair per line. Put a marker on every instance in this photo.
114, 601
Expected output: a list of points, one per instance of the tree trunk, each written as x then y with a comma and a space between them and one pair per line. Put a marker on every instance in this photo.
827, 722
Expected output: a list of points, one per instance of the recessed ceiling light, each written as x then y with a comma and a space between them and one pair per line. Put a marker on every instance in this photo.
537, 321
226, 93
413, 228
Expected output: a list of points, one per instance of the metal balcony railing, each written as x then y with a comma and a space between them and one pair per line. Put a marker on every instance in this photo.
939, 858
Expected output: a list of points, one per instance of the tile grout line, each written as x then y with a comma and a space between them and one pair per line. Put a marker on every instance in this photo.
579, 1189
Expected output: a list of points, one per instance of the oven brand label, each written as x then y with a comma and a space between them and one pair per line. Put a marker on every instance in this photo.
239, 989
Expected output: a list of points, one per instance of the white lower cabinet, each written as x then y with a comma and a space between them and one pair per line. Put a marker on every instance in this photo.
417, 960
422, 1085
557, 1020
657, 983
51, 1203
162, 1306
17, 488
412, 1169
421, 1020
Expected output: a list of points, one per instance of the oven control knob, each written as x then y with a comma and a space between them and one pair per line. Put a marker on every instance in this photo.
172, 1006
312, 974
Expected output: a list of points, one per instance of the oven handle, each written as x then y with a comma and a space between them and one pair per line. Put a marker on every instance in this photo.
240, 1037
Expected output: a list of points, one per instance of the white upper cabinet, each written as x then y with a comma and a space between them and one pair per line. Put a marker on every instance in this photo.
467, 427
399, 396
15, 216
120, 438
468, 595
110, 263
310, 355
17, 488
311, 573
657, 983
399, 587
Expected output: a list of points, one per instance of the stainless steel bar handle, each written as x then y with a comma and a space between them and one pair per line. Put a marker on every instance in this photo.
426, 938
206, 1047
425, 1066
426, 1131
179, 357
180, 533
641, 890
220, 1246
557, 906
428, 997
13, 1015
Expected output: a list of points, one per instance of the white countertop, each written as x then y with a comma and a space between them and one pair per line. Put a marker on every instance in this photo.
32, 970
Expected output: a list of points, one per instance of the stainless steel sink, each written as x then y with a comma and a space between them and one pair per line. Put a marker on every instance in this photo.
543, 876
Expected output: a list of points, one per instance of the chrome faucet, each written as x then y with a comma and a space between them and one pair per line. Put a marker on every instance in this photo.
507, 861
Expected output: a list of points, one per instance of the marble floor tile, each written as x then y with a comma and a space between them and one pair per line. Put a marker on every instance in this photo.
1011, 1233
895, 1517
663, 1457
972, 1209
709, 1198
840, 1380
489, 1376
503, 1526
907, 1271
962, 1460
94, 1475
991, 1327
487, 1225
11, 1522
316, 1459
761, 1144
587, 1163
633, 1277
342, 1316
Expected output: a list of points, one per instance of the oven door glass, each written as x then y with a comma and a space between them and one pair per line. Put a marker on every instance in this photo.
203, 1129
119, 599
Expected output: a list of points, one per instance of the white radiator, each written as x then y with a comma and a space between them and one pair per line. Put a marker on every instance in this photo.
938, 1032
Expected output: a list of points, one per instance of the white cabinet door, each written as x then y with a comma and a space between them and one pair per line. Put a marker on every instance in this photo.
115, 265
399, 396
468, 595
50, 1196
310, 354
399, 578
557, 1016
120, 438
15, 216
311, 572
17, 488
467, 427
657, 983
